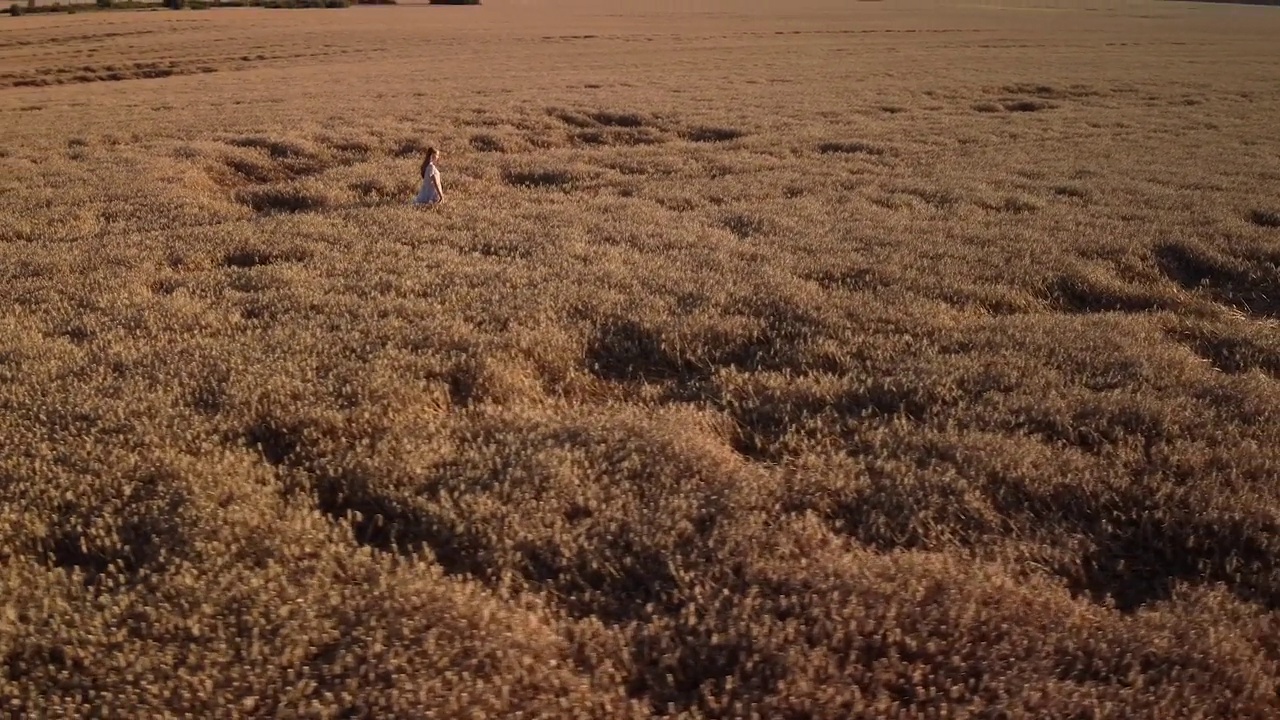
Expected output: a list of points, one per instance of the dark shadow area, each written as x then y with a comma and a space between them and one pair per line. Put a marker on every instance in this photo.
1077, 295
615, 119
1027, 106
374, 191
387, 524
256, 257
487, 143
850, 148
885, 516
540, 178
1137, 561
277, 444
627, 351
1096, 428
38, 659
714, 657
768, 420
505, 250
1152, 666
1231, 352
463, 382
140, 545
274, 147
352, 150
289, 168
572, 119
1246, 285
776, 346
270, 199
67, 550
118, 542
1139, 550
745, 226
1075, 192
614, 578
849, 280
1265, 218
1050, 92
761, 427
713, 134
619, 137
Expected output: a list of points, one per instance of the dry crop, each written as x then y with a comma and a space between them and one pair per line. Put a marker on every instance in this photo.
801, 359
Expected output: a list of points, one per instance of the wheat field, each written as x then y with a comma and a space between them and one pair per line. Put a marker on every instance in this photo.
804, 359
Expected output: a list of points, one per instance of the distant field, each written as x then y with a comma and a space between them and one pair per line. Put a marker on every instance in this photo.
4, 5
1241, 2
806, 359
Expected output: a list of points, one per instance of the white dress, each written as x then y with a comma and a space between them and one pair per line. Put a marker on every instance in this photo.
428, 195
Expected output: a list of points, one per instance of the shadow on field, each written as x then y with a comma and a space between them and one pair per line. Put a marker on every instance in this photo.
625, 350
98, 542
774, 422
384, 523
1246, 283
677, 666
138, 544
376, 519
1269, 219
595, 565
713, 134
1138, 550
282, 199
616, 579
255, 257
541, 178
884, 515
852, 147
1232, 348
619, 137
277, 444
1078, 294
272, 175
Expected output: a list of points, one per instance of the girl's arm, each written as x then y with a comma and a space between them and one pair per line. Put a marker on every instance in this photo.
435, 180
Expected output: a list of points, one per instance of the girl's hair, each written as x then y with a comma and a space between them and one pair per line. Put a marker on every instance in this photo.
431, 155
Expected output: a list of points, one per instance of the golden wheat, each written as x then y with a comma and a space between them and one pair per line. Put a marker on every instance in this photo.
781, 360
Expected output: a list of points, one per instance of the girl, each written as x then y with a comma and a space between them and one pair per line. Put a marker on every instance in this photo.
431, 192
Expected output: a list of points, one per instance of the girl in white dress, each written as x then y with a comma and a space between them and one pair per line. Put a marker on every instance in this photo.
432, 192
